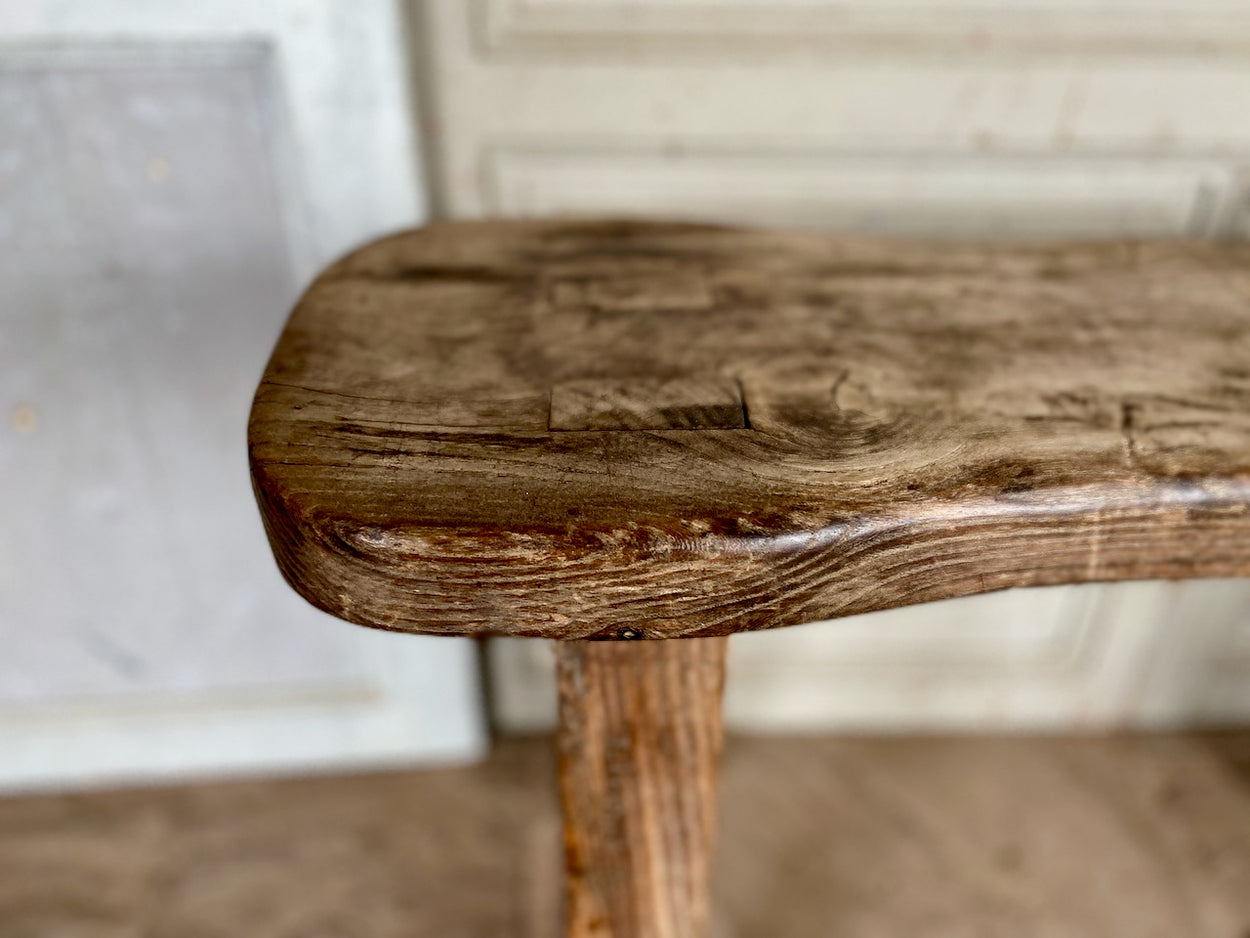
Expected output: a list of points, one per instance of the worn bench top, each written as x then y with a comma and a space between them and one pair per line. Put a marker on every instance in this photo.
575, 429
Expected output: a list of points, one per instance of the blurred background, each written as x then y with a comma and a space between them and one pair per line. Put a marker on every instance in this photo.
171, 174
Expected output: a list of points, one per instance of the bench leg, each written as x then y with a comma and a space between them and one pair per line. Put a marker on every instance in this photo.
639, 743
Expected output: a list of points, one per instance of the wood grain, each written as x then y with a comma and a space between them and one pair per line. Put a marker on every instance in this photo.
639, 747
919, 421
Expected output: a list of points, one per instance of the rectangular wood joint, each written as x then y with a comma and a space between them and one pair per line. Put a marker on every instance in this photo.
695, 403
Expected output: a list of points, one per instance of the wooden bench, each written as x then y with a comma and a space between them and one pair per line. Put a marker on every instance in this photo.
618, 430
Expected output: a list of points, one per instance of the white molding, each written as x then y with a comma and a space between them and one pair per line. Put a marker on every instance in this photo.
414, 703
921, 192
1041, 659
1157, 106
562, 27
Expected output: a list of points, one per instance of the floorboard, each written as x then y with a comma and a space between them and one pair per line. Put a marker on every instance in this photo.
1126, 837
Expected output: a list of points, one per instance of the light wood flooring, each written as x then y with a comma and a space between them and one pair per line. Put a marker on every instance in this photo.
1127, 837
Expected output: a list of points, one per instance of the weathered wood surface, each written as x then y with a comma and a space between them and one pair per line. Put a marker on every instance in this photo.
570, 429
639, 746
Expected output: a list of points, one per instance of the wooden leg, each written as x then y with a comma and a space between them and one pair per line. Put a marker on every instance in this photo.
639, 743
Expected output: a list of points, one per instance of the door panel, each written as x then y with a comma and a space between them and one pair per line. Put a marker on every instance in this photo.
160, 206
935, 195
939, 118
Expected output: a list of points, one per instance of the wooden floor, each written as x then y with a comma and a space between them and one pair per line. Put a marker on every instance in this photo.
975, 838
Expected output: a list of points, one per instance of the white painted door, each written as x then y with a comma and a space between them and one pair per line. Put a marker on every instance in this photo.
1016, 118
170, 174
